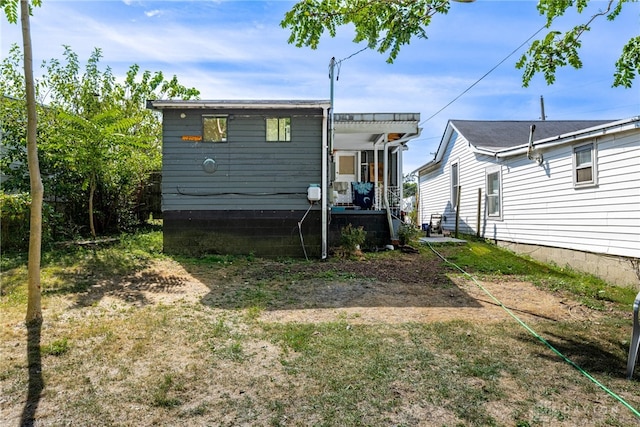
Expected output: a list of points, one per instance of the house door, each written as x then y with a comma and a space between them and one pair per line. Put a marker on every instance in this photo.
346, 173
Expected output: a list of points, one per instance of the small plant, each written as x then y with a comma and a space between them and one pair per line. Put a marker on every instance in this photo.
408, 234
351, 239
161, 396
56, 348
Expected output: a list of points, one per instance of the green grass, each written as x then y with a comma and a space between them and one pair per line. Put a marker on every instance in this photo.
485, 259
218, 362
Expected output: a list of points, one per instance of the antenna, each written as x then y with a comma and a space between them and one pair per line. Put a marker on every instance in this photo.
542, 116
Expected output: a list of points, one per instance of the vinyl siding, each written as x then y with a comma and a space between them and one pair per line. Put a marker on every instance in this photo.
540, 204
251, 172
435, 188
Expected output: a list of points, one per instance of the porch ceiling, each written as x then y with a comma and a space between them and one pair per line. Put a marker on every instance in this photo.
360, 131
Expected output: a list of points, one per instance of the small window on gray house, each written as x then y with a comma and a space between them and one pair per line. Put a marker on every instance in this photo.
584, 165
214, 128
493, 187
278, 129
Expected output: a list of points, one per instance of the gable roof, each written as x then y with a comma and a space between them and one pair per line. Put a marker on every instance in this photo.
510, 138
496, 135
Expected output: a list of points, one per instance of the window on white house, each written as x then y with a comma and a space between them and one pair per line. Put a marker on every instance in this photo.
214, 128
455, 184
278, 129
584, 165
493, 190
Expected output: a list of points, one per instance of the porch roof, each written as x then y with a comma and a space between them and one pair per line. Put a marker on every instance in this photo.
359, 131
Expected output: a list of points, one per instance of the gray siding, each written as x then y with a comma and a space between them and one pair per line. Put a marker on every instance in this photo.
251, 173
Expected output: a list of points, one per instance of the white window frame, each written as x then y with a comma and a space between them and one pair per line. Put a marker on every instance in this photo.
498, 197
455, 186
593, 164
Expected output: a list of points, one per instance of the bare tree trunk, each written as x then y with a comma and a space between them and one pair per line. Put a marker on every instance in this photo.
34, 308
92, 191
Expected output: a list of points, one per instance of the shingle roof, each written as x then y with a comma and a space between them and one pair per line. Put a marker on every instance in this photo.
506, 134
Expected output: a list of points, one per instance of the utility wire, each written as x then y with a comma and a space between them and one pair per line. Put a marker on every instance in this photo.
485, 75
339, 63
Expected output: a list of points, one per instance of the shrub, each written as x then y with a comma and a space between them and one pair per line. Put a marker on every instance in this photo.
408, 233
15, 211
14, 220
351, 238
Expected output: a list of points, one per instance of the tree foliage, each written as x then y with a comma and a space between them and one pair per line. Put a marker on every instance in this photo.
98, 140
387, 25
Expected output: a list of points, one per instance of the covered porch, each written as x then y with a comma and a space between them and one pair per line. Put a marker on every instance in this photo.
365, 173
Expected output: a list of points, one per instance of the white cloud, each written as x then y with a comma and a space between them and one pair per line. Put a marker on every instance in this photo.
232, 50
152, 13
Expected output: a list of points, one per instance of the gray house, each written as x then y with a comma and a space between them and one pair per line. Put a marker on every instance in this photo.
277, 178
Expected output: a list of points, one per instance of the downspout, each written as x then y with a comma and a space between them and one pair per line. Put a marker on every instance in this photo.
325, 190
376, 159
385, 180
385, 196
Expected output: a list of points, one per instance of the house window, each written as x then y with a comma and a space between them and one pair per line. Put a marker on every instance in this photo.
494, 193
214, 128
455, 184
584, 165
279, 129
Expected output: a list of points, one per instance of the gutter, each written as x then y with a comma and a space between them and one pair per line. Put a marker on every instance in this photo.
229, 104
618, 126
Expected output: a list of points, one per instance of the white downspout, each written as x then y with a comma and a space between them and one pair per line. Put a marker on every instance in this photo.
385, 196
325, 189
387, 144
376, 185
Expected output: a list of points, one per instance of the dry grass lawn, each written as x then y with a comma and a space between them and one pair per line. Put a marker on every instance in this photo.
390, 340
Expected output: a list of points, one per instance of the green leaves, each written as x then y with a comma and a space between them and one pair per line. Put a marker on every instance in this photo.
10, 8
388, 25
384, 25
94, 132
559, 49
628, 65
546, 55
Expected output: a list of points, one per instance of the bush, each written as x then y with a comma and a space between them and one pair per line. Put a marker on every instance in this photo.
408, 233
14, 220
15, 211
351, 238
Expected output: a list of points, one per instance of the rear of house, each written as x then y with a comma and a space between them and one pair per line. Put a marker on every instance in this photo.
243, 177
560, 191
276, 178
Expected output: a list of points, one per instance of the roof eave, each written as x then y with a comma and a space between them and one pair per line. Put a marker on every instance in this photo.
605, 129
235, 104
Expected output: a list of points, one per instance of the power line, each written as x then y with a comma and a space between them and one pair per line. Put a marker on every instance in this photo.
481, 78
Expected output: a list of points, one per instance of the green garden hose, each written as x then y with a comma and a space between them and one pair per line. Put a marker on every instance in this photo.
541, 339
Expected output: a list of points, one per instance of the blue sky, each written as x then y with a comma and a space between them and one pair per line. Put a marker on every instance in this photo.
237, 50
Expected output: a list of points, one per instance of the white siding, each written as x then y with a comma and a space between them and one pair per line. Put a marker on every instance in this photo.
540, 205
435, 188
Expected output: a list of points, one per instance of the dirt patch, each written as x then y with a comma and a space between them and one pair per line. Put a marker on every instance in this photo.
394, 289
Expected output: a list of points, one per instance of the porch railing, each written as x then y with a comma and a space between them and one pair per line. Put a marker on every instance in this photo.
393, 197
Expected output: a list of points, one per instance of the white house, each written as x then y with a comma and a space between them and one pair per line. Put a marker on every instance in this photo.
560, 191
